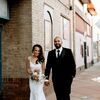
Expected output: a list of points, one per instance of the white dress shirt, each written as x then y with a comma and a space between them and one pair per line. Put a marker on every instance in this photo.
59, 51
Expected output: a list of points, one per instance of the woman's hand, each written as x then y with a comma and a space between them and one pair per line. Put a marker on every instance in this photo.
47, 82
29, 71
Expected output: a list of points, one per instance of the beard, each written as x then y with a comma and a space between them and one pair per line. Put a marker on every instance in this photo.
57, 46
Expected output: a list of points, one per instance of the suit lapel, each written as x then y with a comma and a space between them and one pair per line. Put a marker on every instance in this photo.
54, 53
62, 53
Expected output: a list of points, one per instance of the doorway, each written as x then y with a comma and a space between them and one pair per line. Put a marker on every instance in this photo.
85, 55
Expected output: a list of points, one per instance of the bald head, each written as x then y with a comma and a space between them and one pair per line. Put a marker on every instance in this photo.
57, 42
57, 37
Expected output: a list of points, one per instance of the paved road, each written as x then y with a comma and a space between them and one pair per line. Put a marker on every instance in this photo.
86, 85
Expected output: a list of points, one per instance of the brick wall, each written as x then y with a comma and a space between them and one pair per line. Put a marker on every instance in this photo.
38, 22
15, 89
18, 89
16, 45
17, 39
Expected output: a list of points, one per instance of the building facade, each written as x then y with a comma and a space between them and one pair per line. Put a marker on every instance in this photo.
83, 35
29, 22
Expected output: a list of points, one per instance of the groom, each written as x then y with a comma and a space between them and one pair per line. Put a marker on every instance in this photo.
62, 63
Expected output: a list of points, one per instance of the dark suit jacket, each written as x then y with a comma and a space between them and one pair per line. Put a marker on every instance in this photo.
62, 68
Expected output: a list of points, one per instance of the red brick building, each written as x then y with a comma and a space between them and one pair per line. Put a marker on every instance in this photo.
16, 45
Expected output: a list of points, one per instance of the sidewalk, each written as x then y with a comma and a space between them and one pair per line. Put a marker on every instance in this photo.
86, 85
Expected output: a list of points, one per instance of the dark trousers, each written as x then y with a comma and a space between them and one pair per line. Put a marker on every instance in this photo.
63, 89
62, 96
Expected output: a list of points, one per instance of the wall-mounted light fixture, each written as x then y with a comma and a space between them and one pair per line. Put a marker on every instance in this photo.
91, 9
70, 8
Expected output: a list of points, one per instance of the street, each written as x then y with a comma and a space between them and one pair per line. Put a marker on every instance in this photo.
86, 85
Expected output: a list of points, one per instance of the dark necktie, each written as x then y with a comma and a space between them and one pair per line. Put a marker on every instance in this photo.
58, 53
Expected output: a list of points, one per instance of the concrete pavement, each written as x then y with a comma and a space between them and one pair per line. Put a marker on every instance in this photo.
86, 85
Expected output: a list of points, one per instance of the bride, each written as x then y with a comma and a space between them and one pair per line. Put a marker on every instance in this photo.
35, 68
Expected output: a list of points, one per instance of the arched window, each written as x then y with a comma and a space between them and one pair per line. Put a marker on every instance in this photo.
48, 28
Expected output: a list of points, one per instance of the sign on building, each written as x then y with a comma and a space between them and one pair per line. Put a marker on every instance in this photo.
4, 9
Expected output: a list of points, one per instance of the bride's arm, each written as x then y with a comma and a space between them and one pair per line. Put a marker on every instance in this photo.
43, 67
28, 69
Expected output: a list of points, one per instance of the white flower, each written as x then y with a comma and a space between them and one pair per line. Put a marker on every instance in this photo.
35, 75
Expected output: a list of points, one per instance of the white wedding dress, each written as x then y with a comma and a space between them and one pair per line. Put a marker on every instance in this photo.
36, 87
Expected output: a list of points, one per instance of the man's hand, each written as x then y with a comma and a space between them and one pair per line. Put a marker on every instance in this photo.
47, 82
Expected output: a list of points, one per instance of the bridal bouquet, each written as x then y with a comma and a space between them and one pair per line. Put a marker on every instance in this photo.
36, 75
